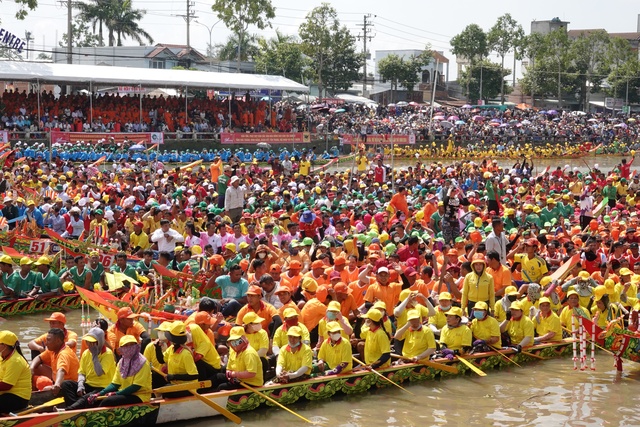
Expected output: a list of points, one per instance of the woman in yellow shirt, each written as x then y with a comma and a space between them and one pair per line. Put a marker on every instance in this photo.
179, 359
131, 383
334, 356
377, 345
478, 285
15, 375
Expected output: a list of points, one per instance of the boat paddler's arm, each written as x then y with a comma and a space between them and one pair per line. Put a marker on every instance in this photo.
58, 382
384, 358
526, 341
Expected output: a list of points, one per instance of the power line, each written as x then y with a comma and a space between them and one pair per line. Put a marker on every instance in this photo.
414, 28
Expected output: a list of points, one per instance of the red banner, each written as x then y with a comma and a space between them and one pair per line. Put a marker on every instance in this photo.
379, 139
268, 137
94, 137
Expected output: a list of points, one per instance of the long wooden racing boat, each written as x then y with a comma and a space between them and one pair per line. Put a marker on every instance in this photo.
160, 411
31, 305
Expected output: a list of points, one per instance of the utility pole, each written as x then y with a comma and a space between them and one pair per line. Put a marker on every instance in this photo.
188, 17
69, 32
28, 38
366, 34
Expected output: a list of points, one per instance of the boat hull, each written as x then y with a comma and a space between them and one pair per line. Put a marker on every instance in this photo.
22, 306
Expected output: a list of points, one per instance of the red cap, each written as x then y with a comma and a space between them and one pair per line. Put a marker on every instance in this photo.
138, 224
126, 313
340, 287
339, 261
334, 275
295, 265
410, 271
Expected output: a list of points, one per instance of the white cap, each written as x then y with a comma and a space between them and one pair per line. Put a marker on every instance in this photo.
383, 270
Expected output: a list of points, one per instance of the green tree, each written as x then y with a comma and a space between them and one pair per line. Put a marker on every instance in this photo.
502, 38
82, 36
401, 72
316, 34
97, 13
229, 50
624, 71
238, 15
492, 80
556, 50
391, 69
281, 54
589, 53
472, 45
530, 47
344, 61
23, 5
123, 22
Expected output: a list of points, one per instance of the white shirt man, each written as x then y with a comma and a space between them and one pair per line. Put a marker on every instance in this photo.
166, 237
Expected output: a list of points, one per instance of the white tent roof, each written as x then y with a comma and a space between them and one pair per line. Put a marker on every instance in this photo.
125, 76
354, 98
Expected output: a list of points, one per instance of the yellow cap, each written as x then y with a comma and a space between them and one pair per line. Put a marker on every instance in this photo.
90, 338
178, 329
8, 338
165, 326
43, 260
236, 332
333, 306
516, 305
294, 331
481, 305
251, 317
26, 261
444, 295
413, 314
6, 259
334, 327
511, 290
289, 313
454, 311
374, 315
127, 339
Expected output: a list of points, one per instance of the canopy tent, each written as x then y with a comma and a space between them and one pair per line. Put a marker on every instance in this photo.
149, 77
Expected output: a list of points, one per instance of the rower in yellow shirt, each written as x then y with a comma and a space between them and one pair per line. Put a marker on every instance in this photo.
244, 363
485, 329
455, 336
377, 346
295, 359
15, 375
419, 341
573, 309
519, 327
547, 323
335, 356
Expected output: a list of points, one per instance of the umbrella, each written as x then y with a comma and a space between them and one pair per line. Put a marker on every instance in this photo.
557, 119
525, 122
542, 112
478, 118
391, 105
453, 118
467, 106
593, 120
137, 147
504, 125
414, 104
496, 121
446, 124
332, 110
460, 122
265, 98
552, 112
401, 104
494, 124
263, 145
620, 125
340, 110
438, 117
631, 119
578, 113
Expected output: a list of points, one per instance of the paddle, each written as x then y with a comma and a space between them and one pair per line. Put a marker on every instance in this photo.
534, 355
471, 366
434, 365
272, 400
505, 356
230, 415
380, 375
48, 404
190, 386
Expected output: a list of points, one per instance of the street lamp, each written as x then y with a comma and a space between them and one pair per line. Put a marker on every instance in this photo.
210, 29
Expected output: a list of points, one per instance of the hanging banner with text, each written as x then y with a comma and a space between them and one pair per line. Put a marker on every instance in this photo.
268, 137
119, 138
379, 139
4, 136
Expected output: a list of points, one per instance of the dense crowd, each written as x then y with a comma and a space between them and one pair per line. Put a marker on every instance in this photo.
294, 270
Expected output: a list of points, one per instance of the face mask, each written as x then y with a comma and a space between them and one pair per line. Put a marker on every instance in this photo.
402, 218
335, 336
512, 298
444, 307
296, 345
396, 239
331, 315
262, 255
478, 314
161, 336
129, 351
256, 327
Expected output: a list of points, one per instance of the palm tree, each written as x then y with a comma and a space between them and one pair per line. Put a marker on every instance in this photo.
118, 16
97, 13
123, 22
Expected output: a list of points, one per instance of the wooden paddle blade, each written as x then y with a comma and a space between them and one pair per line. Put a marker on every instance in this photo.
440, 366
230, 415
471, 366
52, 402
192, 385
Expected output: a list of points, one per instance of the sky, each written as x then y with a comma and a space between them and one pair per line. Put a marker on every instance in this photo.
402, 25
